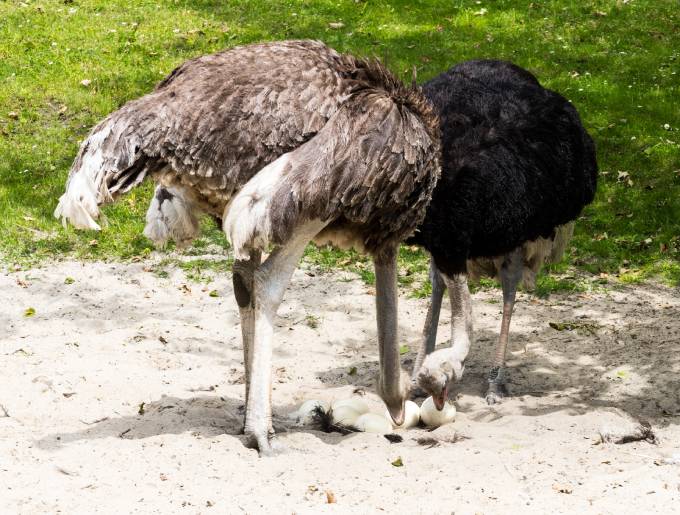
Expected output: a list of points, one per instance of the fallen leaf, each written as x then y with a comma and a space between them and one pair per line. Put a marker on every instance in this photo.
352, 371
69, 280
404, 349
29, 312
214, 293
330, 497
13, 115
398, 462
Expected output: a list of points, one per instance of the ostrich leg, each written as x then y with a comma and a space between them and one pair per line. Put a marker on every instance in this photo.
442, 367
393, 385
511, 274
243, 273
269, 282
429, 339
461, 321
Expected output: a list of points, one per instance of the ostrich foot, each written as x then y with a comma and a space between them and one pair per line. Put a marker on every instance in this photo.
266, 444
497, 390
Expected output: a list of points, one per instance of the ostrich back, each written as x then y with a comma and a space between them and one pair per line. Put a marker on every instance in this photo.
516, 163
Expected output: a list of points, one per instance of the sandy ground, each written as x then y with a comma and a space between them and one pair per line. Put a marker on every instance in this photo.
73, 438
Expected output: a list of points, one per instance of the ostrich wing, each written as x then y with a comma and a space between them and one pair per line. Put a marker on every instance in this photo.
212, 123
372, 168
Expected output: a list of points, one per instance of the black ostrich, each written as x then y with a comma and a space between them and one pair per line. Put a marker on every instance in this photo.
285, 142
517, 165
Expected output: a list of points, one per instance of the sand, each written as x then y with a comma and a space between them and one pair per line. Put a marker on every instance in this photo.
123, 393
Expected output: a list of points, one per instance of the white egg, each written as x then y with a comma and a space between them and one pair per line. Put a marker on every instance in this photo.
432, 417
357, 404
373, 423
345, 415
411, 417
305, 413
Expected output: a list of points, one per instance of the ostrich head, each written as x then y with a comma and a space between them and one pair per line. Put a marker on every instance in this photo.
439, 370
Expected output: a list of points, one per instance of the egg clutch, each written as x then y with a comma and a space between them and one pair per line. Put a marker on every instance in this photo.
354, 415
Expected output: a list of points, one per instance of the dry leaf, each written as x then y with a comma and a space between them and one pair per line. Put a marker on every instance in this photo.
330, 497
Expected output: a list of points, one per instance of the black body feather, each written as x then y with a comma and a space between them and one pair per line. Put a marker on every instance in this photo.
516, 163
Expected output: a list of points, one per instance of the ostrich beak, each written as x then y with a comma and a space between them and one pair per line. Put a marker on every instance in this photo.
440, 400
398, 412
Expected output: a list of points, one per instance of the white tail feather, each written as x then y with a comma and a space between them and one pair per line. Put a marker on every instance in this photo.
85, 189
79, 204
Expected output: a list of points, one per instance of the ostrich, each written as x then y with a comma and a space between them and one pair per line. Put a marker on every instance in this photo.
517, 168
285, 142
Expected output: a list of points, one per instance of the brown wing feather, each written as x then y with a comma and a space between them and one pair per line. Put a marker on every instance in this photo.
217, 119
372, 167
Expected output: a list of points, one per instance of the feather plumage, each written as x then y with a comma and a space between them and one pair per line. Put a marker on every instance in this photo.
217, 120
516, 163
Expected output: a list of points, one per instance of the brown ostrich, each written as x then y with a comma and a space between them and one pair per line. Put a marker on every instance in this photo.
285, 142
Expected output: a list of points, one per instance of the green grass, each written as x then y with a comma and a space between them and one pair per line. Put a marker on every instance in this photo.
618, 61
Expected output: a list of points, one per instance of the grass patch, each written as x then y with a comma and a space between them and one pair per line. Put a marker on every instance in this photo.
65, 65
